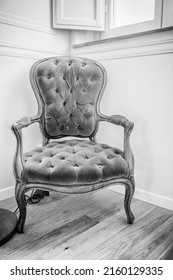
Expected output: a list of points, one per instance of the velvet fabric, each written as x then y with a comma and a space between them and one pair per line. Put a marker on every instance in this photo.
68, 92
73, 162
69, 89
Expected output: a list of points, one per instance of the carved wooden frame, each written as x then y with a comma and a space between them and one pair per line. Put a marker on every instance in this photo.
18, 163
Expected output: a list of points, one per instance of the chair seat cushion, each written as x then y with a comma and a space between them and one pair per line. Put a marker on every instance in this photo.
74, 162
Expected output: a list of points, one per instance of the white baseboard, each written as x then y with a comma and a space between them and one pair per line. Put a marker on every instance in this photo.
146, 196
155, 199
6, 193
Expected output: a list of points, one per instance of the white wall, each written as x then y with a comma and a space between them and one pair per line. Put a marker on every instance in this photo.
25, 36
140, 87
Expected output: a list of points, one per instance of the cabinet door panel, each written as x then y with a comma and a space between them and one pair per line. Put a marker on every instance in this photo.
167, 13
78, 14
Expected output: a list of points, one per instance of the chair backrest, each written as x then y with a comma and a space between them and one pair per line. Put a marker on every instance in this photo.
68, 92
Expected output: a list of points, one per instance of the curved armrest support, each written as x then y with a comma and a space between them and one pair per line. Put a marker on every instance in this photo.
128, 126
119, 120
18, 161
24, 122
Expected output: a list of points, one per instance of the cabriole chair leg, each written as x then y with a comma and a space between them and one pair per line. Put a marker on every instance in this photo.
21, 202
130, 187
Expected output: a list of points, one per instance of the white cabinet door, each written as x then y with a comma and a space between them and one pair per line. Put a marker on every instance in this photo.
167, 13
79, 14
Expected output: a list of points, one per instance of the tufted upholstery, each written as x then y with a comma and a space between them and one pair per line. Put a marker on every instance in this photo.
69, 90
73, 162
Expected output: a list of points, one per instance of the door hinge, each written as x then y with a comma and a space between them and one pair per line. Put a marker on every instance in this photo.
106, 6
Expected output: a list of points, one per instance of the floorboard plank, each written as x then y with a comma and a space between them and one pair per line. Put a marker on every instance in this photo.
91, 226
88, 241
53, 212
132, 241
60, 234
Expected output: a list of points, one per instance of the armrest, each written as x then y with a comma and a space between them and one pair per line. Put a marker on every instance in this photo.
24, 122
118, 120
18, 162
128, 126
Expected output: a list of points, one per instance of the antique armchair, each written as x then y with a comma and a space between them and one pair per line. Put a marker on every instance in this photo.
68, 91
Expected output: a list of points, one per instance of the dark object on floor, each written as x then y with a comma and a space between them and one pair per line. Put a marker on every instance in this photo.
8, 223
37, 196
68, 92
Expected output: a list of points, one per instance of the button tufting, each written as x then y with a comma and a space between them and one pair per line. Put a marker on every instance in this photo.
82, 157
110, 157
78, 85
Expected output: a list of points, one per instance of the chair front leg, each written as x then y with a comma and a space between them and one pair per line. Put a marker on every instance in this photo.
21, 202
130, 188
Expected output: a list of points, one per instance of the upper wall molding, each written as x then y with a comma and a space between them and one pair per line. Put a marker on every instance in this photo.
152, 45
21, 22
16, 50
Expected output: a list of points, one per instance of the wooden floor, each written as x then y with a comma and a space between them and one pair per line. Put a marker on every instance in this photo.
91, 226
